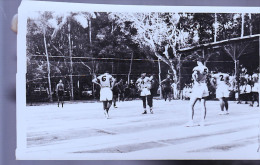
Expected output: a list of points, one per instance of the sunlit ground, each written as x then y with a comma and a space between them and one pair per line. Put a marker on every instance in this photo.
81, 131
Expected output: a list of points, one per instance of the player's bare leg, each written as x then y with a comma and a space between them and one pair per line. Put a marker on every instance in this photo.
58, 102
144, 104
114, 101
62, 102
165, 96
191, 112
109, 103
204, 111
150, 103
170, 96
222, 105
105, 108
226, 104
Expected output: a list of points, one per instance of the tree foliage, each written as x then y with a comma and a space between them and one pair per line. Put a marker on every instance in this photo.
80, 43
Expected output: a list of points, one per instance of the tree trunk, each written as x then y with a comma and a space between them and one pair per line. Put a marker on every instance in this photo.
215, 28
48, 66
242, 24
175, 78
130, 69
250, 24
90, 33
71, 65
160, 80
179, 81
90, 42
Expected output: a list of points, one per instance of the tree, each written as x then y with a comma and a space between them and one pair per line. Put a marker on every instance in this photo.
42, 22
66, 19
159, 31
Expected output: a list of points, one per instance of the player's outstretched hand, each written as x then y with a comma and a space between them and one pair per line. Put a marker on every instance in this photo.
14, 23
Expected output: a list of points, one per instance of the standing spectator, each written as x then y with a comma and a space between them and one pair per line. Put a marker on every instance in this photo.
132, 90
154, 87
116, 91
166, 86
60, 92
144, 86
248, 90
255, 90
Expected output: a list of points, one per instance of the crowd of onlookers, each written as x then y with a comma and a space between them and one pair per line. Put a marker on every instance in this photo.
169, 89
244, 89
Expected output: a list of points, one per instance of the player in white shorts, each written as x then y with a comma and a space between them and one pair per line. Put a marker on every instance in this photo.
199, 92
144, 86
106, 82
221, 82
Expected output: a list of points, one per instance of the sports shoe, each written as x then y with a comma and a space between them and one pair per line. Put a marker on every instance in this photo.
222, 113
115, 106
226, 113
145, 112
189, 124
151, 111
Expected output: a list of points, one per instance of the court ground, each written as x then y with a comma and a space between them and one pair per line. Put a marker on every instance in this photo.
81, 131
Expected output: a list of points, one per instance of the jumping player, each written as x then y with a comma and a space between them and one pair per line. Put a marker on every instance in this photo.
144, 86
106, 82
221, 82
60, 92
199, 92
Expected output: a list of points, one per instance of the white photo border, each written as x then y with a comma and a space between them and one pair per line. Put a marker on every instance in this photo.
27, 7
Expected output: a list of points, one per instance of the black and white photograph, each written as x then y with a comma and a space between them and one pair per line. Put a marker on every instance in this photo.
122, 82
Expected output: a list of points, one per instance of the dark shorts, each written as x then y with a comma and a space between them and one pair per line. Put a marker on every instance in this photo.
167, 90
60, 93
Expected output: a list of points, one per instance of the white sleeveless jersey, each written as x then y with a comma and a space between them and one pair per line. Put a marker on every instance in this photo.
60, 87
202, 72
144, 83
105, 80
221, 78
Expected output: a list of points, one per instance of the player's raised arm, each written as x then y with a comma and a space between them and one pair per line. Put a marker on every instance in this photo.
113, 81
227, 80
95, 81
213, 81
195, 75
137, 82
57, 86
